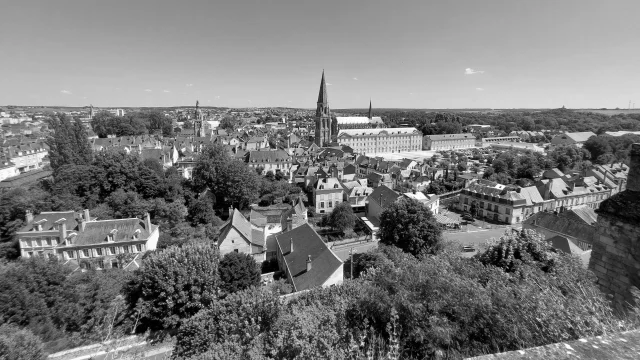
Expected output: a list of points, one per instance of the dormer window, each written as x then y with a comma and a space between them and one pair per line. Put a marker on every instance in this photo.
111, 237
136, 234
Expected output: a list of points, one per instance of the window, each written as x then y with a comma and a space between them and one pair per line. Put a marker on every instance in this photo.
125, 249
85, 253
138, 247
71, 254
112, 250
101, 264
114, 264
322, 204
48, 241
99, 252
235, 250
330, 203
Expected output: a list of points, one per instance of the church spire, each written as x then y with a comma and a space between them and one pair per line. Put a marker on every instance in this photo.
370, 111
322, 96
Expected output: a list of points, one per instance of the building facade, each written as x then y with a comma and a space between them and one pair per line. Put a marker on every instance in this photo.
390, 140
327, 194
449, 142
86, 243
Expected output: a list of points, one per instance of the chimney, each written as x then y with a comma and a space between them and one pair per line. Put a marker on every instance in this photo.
29, 216
290, 245
147, 222
309, 263
289, 224
63, 231
86, 215
633, 179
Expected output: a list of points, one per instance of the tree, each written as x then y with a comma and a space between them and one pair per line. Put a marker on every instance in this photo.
19, 344
69, 143
410, 226
238, 272
228, 123
174, 285
342, 217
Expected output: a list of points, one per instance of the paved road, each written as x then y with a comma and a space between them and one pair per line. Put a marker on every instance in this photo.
343, 251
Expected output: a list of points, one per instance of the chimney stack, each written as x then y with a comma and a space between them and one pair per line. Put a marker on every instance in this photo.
86, 215
29, 216
633, 179
147, 222
289, 224
63, 231
309, 263
291, 245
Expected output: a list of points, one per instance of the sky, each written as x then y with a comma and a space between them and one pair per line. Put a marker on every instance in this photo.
399, 54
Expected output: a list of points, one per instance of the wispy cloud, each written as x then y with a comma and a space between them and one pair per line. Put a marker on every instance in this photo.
189, 85
148, 90
480, 89
355, 78
470, 71
166, 91
66, 92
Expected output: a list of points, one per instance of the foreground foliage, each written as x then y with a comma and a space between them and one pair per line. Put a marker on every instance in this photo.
409, 307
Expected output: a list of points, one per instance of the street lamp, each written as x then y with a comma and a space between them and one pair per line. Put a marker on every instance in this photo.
351, 261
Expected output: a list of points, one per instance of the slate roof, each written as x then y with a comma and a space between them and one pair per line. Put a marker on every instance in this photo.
383, 196
242, 225
377, 132
562, 243
351, 120
51, 217
268, 156
95, 232
307, 242
563, 223
451, 137
25, 178
580, 136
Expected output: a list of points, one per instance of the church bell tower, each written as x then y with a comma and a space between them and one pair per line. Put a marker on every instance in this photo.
323, 116
198, 124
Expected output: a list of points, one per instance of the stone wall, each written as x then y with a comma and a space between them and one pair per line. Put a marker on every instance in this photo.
615, 258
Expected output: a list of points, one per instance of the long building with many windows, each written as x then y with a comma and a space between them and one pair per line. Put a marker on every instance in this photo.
368, 141
449, 141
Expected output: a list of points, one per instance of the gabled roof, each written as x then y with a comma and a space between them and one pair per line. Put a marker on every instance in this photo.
580, 136
307, 243
241, 225
383, 196
268, 156
562, 243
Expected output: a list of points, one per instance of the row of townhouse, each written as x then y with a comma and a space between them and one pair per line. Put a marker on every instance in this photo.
85, 242
513, 204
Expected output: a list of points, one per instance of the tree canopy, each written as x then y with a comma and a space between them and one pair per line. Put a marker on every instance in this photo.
410, 226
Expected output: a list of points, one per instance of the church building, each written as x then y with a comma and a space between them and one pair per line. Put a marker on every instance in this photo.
359, 122
323, 116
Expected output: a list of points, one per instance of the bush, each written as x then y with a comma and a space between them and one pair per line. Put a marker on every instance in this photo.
174, 284
238, 272
19, 344
410, 226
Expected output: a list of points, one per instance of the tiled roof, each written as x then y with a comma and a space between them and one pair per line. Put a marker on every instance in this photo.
306, 242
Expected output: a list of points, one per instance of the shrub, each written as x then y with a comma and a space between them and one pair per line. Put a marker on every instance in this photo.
238, 272
19, 344
174, 284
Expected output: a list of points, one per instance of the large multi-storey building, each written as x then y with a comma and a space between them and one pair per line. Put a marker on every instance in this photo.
85, 242
501, 203
390, 140
449, 142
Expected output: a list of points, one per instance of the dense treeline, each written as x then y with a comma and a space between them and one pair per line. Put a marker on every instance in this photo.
557, 120
133, 123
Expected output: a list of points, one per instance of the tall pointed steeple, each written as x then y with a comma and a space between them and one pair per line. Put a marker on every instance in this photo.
323, 116
370, 111
322, 95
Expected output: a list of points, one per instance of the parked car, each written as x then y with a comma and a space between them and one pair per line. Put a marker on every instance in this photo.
469, 248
